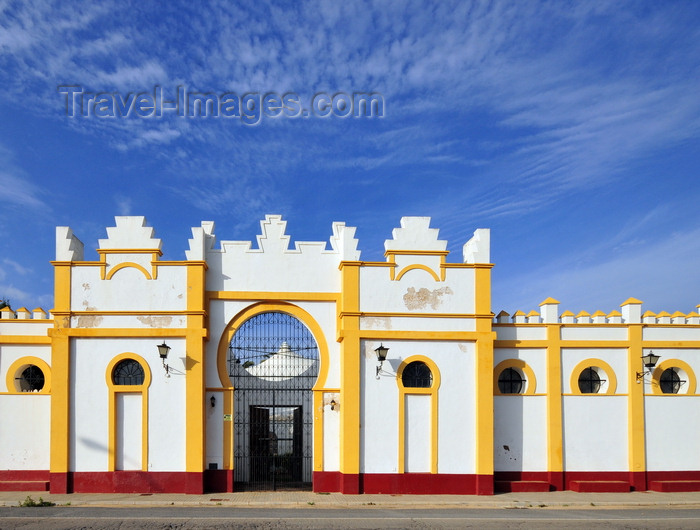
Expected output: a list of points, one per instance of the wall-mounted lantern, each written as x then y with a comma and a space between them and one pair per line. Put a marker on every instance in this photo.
212, 400
649, 361
381, 352
163, 350
333, 404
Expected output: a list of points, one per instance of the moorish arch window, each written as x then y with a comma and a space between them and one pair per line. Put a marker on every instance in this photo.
128, 372
417, 375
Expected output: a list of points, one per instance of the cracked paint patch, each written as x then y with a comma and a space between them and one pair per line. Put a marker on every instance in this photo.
414, 300
156, 321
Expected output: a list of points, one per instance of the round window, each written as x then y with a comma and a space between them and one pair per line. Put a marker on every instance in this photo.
31, 379
669, 381
510, 381
589, 381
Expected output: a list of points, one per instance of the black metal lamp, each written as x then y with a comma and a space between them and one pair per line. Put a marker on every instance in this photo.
649, 361
163, 350
212, 400
381, 352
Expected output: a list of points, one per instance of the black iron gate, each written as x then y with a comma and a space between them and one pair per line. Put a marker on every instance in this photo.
273, 364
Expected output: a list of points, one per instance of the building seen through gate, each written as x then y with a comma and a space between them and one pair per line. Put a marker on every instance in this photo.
273, 365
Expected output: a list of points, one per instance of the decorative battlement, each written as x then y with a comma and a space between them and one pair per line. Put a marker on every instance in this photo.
23, 314
631, 314
273, 240
131, 232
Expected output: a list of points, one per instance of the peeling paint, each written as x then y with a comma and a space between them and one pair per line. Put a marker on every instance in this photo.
156, 322
463, 347
88, 321
423, 297
376, 322
86, 286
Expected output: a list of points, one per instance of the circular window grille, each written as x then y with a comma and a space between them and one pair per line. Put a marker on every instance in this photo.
31, 380
128, 372
669, 381
510, 381
589, 381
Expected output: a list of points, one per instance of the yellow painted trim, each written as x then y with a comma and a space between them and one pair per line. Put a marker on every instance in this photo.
318, 429
125, 332
673, 363
272, 296
467, 265
141, 389
555, 428
25, 339
350, 366
593, 363
433, 393
389, 253
524, 368
417, 266
60, 377
127, 265
16, 368
103, 251
136, 313
378, 334
195, 370
482, 299
484, 419
636, 435
222, 370
417, 315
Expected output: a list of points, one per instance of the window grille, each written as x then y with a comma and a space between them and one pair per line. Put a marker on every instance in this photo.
417, 375
510, 381
669, 381
128, 372
589, 381
31, 380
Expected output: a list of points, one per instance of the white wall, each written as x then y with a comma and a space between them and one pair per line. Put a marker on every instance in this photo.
25, 433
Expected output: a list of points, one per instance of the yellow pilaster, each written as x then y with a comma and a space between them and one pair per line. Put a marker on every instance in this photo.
195, 383
60, 373
555, 434
635, 410
350, 377
483, 367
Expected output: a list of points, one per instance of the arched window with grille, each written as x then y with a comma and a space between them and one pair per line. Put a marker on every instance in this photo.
128, 372
417, 375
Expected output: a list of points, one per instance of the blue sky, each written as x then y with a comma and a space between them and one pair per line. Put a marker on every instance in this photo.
571, 129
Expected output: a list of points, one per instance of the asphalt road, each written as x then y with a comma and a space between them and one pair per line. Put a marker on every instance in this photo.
123, 518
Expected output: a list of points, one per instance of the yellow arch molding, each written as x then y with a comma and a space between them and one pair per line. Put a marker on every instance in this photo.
523, 367
128, 389
127, 264
593, 363
432, 391
324, 358
417, 266
673, 363
16, 368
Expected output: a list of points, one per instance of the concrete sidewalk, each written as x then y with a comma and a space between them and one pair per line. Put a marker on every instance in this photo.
294, 499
